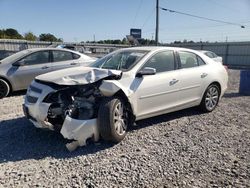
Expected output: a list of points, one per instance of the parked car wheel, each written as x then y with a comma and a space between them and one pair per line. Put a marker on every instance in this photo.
4, 88
210, 99
113, 119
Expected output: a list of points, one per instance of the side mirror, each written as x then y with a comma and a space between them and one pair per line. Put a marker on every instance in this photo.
146, 71
18, 63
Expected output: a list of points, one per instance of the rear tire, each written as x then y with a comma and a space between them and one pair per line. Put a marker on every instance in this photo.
113, 119
210, 98
4, 88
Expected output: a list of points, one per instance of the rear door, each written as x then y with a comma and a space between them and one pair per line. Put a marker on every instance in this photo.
32, 65
194, 73
63, 59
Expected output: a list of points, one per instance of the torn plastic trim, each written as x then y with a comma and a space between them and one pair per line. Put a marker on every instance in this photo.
109, 88
80, 131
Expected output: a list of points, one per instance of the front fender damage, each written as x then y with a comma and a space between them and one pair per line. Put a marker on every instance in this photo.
109, 87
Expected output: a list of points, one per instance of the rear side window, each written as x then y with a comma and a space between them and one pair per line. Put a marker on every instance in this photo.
209, 54
36, 58
189, 60
200, 61
62, 56
162, 62
75, 56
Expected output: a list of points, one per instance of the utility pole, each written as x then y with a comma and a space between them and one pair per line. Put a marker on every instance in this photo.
157, 23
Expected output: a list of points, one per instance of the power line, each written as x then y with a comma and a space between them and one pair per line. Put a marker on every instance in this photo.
195, 27
136, 14
201, 17
147, 19
224, 6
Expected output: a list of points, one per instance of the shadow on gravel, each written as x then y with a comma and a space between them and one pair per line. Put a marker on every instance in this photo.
167, 117
20, 140
232, 95
17, 93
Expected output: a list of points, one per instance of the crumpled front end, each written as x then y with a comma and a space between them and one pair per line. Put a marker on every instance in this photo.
72, 108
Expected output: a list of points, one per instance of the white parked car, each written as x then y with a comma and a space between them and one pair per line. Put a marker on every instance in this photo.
124, 86
18, 70
213, 56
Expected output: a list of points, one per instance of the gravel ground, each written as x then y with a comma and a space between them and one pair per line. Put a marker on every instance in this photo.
181, 149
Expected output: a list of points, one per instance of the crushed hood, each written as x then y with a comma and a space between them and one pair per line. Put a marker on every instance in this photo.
78, 75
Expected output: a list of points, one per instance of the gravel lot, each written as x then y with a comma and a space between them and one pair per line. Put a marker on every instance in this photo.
181, 149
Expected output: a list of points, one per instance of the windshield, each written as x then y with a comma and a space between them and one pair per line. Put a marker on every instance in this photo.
15, 56
122, 60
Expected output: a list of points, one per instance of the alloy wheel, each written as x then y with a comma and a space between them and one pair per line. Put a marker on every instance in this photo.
212, 98
119, 118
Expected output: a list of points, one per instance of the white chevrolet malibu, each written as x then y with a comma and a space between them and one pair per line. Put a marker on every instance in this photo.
122, 87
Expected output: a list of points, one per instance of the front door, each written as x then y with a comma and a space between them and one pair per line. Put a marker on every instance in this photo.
159, 92
30, 66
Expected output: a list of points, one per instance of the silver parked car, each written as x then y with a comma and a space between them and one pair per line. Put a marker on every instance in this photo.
124, 86
18, 70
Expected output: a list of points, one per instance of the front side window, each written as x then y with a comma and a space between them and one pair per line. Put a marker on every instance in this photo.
61, 56
122, 60
162, 62
36, 58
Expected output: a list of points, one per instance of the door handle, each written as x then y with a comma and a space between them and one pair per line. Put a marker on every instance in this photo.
73, 63
172, 82
203, 75
45, 67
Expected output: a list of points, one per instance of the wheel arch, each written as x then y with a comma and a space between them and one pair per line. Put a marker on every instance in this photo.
122, 95
217, 84
111, 88
8, 82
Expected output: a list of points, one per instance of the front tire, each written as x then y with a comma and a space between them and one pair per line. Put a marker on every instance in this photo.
210, 98
113, 119
4, 88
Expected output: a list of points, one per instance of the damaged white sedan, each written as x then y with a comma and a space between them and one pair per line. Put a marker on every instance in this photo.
124, 86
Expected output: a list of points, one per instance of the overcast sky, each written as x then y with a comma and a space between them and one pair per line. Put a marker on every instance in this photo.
80, 20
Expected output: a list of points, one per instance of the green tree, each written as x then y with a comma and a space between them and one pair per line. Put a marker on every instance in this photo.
1, 34
30, 36
117, 41
59, 40
125, 41
48, 37
11, 34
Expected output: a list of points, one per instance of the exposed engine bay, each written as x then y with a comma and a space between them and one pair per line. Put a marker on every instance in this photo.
78, 102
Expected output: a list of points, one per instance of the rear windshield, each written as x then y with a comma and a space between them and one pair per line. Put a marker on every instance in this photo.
121, 60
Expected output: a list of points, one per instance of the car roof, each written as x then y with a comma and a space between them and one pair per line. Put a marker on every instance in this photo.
158, 48
204, 51
49, 48
22, 53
